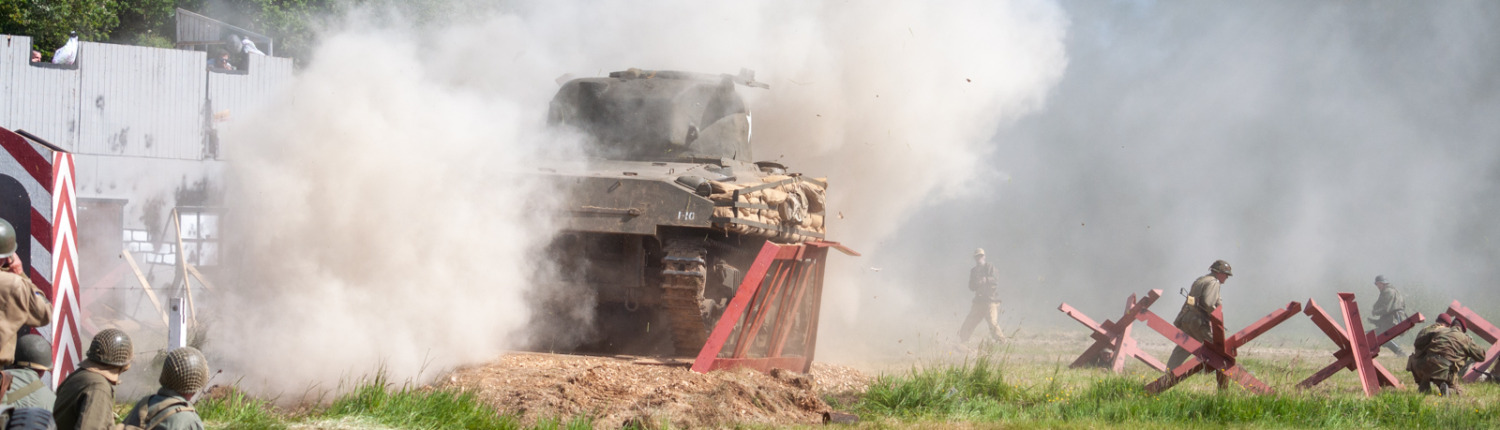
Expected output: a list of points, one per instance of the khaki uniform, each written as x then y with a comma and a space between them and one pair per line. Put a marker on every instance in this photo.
167, 410
28, 390
21, 304
1195, 316
1389, 310
86, 400
1441, 354
984, 281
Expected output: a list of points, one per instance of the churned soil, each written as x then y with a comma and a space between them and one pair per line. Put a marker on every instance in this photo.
619, 390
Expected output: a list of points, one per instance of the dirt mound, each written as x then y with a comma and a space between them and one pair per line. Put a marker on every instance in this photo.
615, 391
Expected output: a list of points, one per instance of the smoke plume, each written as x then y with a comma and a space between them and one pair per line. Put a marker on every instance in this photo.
385, 212
1311, 145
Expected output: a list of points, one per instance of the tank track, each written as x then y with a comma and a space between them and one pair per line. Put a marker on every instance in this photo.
684, 273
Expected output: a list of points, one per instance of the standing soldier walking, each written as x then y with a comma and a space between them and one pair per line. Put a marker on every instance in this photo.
1197, 312
1389, 310
984, 281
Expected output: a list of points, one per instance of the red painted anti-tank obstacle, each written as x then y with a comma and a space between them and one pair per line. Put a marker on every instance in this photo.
1356, 353
1482, 327
1115, 336
1218, 355
772, 322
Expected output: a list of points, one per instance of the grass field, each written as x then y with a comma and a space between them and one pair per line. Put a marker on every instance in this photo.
1022, 384
1027, 384
372, 404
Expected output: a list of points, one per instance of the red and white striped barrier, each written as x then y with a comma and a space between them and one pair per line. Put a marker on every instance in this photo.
46, 174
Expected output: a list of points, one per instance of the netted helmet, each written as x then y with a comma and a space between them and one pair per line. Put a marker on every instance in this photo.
33, 351
7, 239
112, 347
185, 370
1221, 266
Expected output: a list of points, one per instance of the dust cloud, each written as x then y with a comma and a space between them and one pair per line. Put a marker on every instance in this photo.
1312, 145
387, 221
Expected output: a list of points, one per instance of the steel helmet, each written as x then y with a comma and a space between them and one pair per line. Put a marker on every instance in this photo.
33, 351
185, 371
7, 239
111, 347
1221, 266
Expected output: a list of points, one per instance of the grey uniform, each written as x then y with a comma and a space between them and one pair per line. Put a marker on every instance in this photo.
28, 390
1389, 310
1195, 316
984, 281
167, 410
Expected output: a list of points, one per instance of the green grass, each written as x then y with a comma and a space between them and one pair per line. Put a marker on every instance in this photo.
980, 391
238, 411
407, 407
375, 401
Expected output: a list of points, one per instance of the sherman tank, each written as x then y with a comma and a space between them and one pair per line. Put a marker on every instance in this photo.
665, 216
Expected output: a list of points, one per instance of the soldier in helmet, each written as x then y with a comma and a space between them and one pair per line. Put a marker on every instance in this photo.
984, 281
27, 389
182, 375
1389, 310
1197, 311
1443, 349
86, 400
22, 304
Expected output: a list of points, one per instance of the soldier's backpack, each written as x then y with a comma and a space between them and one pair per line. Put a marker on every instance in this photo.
149, 418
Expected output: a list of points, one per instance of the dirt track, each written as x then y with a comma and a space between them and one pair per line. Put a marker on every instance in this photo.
619, 390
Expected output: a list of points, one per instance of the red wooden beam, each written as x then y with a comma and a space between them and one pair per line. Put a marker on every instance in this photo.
1218, 356
779, 297
736, 308
1482, 327
1364, 359
1344, 357
1115, 335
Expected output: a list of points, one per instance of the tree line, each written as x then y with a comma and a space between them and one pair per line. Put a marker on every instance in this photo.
151, 22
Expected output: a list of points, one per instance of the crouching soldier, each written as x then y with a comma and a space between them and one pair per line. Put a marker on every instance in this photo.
27, 389
1442, 351
182, 375
86, 400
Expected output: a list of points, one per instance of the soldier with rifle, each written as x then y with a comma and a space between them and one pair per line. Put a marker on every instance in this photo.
984, 281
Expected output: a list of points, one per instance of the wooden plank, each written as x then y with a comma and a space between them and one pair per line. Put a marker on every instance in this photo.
199, 276
187, 284
1364, 366
146, 286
